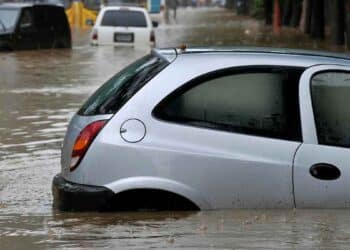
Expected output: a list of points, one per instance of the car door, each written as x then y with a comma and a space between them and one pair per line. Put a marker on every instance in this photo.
322, 163
232, 136
43, 22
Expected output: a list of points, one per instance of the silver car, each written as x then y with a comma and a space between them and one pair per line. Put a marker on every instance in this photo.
211, 129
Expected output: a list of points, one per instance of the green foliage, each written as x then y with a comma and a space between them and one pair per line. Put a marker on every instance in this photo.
259, 4
258, 9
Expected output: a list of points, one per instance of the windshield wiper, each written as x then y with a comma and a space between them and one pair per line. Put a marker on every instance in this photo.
2, 25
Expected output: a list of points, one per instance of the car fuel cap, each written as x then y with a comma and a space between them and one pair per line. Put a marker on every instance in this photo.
133, 130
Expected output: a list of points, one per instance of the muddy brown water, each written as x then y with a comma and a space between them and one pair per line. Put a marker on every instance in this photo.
39, 93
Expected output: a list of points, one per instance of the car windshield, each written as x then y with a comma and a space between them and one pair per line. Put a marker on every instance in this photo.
8, 19
120, 88
124, 18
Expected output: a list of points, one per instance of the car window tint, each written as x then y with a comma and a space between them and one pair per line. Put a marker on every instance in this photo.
121, 87
42, 18
330, 96
260, 102
8, 19
124, 18
57, 19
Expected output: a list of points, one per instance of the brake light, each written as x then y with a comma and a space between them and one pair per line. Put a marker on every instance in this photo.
94, 35
83, 142
152, 37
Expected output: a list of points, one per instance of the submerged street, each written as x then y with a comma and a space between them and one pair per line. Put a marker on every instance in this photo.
41, 90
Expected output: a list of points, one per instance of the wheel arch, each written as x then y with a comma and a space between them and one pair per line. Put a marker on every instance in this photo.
161, 184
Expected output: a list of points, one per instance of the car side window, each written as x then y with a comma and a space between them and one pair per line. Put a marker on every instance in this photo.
26, 21
42, 19
258, 101
330, 97
58, 19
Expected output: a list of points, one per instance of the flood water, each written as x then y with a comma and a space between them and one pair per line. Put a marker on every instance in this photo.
39, 93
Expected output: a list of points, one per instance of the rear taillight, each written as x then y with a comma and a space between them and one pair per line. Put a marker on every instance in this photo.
152, 37
95, 35
83, 142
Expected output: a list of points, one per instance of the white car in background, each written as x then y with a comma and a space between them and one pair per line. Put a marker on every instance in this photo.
123, 26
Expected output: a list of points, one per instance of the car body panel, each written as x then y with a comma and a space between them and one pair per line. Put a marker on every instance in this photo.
147, 182
76, 125
320, 193
221, 169
53, 33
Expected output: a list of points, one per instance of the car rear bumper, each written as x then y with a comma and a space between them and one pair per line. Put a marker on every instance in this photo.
70, 196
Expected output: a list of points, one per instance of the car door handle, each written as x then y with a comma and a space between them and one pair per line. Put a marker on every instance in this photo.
325, 171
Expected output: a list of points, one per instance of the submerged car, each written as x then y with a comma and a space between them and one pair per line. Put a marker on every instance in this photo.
211, 129
123, 26
33, 26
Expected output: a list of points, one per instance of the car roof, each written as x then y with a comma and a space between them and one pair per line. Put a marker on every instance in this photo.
123, 8
294, 54
25, 5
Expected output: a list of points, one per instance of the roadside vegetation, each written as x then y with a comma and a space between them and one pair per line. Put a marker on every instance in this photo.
320, 19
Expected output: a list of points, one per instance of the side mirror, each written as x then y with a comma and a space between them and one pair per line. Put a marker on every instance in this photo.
155, 24
89, 22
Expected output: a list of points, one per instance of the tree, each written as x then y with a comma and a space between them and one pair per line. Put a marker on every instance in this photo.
305, 19
317, 29
347, 25
276, 17
287, 12
296, 13
337, 21
268, 9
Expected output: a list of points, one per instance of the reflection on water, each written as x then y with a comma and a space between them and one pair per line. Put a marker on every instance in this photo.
231, 229
39, 93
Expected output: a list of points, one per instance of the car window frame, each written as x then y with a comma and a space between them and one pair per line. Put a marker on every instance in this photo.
313, 104
208, 76
28, 29
16, 23
306, 108
83, 110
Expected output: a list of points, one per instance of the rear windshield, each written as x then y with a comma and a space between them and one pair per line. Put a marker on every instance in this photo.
120, 88
124, 18
49, 17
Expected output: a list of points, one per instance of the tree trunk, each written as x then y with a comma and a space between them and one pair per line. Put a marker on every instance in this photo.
337, 22
305, 20
296, 13
268, 8
276, 17
348, 24
287, 12
317, 19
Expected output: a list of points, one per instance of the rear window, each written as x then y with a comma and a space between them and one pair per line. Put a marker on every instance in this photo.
124, 18
50, 18
120, 88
